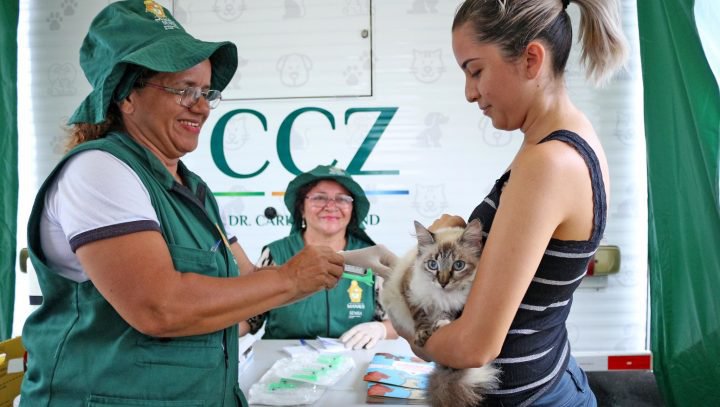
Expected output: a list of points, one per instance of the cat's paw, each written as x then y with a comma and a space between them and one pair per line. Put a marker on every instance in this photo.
421, 337
440, 323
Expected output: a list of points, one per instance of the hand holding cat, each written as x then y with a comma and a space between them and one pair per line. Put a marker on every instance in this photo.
446, 221
312, 269
364, 335
378, 258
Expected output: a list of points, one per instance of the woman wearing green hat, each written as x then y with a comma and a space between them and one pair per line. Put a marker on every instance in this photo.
141, 287
327, 207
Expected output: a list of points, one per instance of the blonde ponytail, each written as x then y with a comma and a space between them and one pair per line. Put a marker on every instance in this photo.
512, 24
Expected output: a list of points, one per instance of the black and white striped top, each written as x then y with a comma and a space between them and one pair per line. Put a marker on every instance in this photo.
536, 348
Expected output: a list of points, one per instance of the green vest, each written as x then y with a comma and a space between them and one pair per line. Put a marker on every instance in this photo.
326, 313
82, 353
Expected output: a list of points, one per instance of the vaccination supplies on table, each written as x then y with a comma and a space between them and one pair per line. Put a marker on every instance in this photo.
321, 345
300, 380
331, 345
273, 390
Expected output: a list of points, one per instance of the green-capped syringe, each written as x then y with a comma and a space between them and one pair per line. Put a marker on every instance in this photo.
359, 274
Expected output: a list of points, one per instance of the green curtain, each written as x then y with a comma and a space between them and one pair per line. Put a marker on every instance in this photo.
682, 127
9, 12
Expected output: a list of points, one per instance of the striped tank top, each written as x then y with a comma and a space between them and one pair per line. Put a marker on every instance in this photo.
536, 349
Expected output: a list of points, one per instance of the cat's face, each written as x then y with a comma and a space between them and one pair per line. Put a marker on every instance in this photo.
449, 258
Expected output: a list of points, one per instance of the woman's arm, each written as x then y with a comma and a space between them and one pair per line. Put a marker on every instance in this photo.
135, 273
539, 197
243, 328
244, 264
253, 324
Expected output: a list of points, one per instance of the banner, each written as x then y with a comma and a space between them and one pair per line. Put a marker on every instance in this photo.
682, 124
8, 162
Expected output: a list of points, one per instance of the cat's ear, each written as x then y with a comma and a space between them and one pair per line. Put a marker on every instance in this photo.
424, 236
473, 233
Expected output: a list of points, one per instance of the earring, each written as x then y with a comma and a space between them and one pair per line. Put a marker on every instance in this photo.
303, 225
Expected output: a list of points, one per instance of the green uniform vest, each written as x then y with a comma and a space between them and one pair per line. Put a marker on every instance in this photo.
82, 353
326, 313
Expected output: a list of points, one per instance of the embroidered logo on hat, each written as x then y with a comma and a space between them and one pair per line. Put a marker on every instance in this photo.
337, 171
152, 7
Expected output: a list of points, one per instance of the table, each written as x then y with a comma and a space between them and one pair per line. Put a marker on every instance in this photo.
349, 391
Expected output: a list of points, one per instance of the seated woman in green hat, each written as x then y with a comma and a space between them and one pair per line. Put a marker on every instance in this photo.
141, 288
327, 208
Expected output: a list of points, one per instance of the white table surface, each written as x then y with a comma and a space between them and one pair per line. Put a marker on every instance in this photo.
349, 391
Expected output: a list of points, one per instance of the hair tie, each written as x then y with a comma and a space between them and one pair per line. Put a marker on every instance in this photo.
566, 3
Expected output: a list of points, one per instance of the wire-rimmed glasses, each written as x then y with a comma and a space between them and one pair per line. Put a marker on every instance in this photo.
320, 200
191, 95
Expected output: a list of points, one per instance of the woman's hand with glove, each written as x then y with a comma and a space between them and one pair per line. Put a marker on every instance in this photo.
365, 335
378, 258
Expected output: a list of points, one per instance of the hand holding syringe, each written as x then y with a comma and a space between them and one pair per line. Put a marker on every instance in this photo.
369, 260
359, 274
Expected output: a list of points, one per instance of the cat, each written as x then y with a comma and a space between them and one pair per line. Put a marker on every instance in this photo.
426, 290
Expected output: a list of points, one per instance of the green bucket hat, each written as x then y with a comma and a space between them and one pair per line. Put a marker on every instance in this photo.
130, 34
342, 177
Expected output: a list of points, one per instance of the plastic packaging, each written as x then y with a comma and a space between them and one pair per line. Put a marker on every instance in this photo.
299, 380
273, 390
321, 369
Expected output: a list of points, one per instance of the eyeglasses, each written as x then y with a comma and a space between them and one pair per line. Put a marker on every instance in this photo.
191, 95
322, 200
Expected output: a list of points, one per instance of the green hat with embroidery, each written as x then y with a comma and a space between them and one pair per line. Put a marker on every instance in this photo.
127, 36
342, 177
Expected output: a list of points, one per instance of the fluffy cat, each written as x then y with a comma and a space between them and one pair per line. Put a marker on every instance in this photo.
426, 290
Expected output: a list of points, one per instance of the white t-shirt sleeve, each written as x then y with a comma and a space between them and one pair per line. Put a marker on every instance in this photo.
95, 196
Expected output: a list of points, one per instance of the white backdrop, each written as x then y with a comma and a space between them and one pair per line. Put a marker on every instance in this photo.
438, 153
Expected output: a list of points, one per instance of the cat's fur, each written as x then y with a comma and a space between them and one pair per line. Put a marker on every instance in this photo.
426, 290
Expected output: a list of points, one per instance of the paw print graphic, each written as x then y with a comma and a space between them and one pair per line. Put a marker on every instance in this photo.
352, 75
68, 7
54, 20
